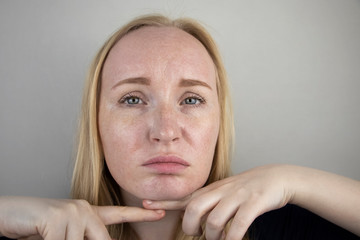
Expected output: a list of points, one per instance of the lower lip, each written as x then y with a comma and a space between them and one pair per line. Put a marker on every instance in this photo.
167, 168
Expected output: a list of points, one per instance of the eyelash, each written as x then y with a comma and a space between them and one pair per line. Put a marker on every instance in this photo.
199, 100
129, 96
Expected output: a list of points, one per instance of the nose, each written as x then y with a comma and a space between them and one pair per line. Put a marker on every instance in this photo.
165, 127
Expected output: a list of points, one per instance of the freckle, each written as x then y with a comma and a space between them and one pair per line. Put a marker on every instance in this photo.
126, 120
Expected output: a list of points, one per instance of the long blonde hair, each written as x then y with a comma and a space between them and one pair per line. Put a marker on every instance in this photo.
91, 178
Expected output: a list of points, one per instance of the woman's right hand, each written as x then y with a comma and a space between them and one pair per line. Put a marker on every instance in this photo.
52, 219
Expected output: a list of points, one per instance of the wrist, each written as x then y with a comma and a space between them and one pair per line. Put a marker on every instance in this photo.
298, 183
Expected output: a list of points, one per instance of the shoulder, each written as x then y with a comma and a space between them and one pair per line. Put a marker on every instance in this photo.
292, 223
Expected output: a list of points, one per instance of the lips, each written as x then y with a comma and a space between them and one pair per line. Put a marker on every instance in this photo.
166, 164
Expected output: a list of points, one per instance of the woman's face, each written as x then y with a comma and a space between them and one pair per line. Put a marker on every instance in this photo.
159, 113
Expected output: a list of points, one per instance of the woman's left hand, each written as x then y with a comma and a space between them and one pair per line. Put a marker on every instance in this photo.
242, 197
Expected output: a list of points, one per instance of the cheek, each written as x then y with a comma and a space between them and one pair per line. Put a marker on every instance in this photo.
121, 139
204, 138
204, 135
120, 134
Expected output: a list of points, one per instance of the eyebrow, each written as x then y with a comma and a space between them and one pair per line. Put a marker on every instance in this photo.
193, 82
146, 81
137, 80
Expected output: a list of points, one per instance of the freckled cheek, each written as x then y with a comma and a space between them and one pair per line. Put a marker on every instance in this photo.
121, 137
204, 136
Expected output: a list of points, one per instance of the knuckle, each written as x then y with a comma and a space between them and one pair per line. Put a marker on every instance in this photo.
189, 230
192, 209
75, 208
214, 223
240, 223
56, 213
82, 204
71, 207
124, 214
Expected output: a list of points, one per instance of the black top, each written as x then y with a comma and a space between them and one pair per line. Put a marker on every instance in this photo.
294, 223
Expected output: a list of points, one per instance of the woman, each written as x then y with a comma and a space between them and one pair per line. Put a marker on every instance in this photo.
153, 152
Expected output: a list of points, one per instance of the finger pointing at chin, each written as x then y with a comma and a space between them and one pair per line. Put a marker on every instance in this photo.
114, 214
166, 205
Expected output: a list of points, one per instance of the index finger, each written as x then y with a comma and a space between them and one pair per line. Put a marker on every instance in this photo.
168, 204
120, 214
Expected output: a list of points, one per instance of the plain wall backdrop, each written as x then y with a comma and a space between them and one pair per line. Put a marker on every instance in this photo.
294, 70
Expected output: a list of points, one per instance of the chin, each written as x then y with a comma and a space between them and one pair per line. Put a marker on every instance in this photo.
168, 190
167, 195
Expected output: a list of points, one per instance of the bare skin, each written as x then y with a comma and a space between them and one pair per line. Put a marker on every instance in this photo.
152, 107
52, 219
242, 197
245, 196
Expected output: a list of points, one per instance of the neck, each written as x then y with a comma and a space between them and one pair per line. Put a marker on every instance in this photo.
163, 229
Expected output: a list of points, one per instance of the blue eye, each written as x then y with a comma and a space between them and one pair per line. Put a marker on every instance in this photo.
191, 101
195, 100
130, 99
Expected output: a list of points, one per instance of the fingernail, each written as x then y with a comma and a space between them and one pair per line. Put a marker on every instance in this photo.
159, 211
148, 202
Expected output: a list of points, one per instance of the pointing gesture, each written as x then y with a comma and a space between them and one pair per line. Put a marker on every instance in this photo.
65, 219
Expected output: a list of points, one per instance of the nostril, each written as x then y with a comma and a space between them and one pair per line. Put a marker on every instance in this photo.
168, 137
164, 128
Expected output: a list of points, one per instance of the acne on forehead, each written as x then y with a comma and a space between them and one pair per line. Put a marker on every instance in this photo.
148, 43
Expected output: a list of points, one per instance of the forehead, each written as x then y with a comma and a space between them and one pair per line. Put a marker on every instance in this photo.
157, 49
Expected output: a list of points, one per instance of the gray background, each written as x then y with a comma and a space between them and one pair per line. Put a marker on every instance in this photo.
294, 68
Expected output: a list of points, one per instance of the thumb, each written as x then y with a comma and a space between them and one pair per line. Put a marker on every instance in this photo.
120, 214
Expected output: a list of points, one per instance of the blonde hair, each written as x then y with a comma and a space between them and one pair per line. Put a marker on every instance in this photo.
91, 178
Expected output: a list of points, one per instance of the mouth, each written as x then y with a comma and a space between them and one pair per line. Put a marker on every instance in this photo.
166, 164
